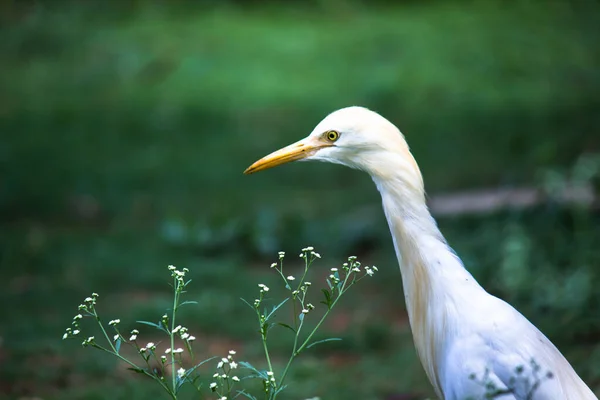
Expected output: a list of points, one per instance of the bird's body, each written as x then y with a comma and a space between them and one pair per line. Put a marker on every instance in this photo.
469, 342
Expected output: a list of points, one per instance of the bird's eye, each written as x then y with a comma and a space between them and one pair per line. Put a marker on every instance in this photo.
332, 136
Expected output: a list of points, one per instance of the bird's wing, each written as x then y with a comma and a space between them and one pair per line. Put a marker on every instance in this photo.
504, 352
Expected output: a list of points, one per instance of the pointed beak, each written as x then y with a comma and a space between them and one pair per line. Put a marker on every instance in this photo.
296, 151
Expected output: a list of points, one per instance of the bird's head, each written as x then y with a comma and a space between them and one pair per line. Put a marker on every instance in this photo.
355, 137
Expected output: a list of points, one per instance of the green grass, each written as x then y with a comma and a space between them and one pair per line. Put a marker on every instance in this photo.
125, 132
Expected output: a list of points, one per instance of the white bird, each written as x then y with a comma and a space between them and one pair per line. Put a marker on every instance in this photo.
469, 342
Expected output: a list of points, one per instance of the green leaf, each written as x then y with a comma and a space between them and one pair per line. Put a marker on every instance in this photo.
118, 345
280, 389
249, 305
327, 301
157, 326
149, 323
322, 341
301, 316
137, 370
246, 395
286, 326
247, 365
275, 308
188, 302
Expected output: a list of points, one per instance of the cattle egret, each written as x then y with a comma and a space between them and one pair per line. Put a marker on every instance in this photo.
465, 337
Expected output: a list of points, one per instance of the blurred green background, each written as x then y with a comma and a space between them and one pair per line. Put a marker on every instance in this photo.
125, 128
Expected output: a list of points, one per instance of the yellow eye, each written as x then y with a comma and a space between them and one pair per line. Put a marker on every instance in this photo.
332, 136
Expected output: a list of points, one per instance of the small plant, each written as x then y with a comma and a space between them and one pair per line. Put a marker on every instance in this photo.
523, 384
339, 282
168, 367
156, 366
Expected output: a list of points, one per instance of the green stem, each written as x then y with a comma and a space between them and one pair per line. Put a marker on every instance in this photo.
120, 357
264, 341
172, 335
305, 343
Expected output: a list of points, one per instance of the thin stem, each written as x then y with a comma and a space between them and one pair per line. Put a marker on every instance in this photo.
133, 365
114, 349
263, 335
343, 289
172, 335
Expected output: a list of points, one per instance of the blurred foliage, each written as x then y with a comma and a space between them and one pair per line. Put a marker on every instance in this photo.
125, 127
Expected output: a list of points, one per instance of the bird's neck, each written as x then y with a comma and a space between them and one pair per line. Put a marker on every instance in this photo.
432, 275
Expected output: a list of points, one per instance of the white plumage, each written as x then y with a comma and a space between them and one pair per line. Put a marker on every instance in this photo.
466, 338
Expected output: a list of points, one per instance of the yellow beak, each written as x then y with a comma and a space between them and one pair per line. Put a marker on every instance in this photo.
293, 152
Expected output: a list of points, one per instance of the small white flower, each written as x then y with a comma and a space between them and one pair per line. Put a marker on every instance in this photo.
191, 338
225, 361
115, 337
316, 254
270, 373
132, 338
167, 351
177, 328
114, 322
213, 385
150, 345
224, 376
334, 269
235, 378
220, 364
163, 358
181, 372
307, 283
66, 335
332, 276
143, 350
375, 268
95, 294
223, 398
88, 299
171, 268
290, 278
76, 332
78, 316
265, 288
179, 350
185, 335
310, 248
304, 311
273, 265
355, 269
281, 254
233, 365
135, 332
369, 271
232, 352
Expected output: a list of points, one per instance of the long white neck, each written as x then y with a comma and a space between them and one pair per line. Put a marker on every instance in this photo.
432, 275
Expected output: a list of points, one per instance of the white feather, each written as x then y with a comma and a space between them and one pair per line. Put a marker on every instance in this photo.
459, 329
